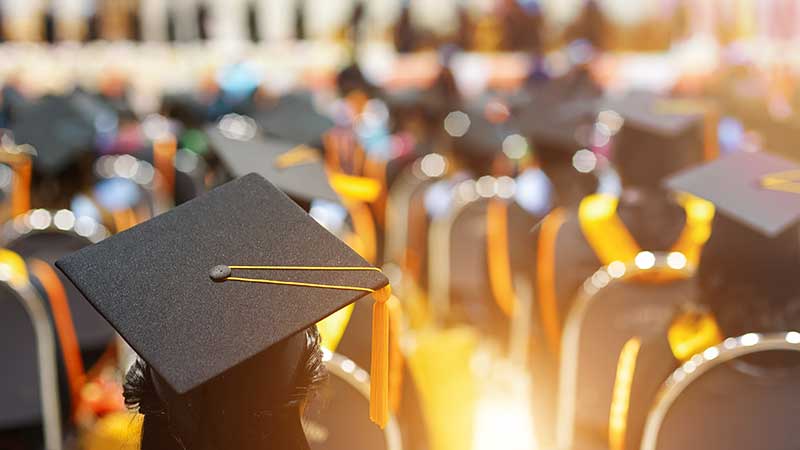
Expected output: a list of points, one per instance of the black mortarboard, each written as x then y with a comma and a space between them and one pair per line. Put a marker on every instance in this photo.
57, 129
759, 190
181, 289
297, 170
294, 118
658, 115
558, 126
659, 136
557, 112
186, 107
482, 137
578, 84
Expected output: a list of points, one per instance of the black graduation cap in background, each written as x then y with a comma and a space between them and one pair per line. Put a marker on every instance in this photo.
93, 107
758, 190
298, 170
433, 101
294, 118
176, 290
655, 123
575, 85
658, 114
57, 128
187, 107
482, 137
558, 126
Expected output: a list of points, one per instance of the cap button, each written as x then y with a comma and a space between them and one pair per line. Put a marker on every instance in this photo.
220, 272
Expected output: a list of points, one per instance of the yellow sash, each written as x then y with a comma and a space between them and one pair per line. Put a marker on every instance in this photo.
500, 277
611, 240
546, 278
691, 333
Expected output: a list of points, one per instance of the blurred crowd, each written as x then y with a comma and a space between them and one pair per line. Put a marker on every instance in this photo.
588, 214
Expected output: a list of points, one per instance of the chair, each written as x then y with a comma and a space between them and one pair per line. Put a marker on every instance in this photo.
338, 416
25, 317
709, 404
48, 235
497, 382
440, 249
613, 306
409, 183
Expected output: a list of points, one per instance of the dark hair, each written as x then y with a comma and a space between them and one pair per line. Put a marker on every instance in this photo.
751, 282
251, 406
351, 79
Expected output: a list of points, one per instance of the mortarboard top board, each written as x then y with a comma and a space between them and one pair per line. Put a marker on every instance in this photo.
94, 108
294, 118
655, 114
297, 170
176, 290
578, 84
556, 125
482, 138
759, 190
186, 107
57, 130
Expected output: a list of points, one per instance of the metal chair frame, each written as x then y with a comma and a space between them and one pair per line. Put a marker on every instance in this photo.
47, 359
700, 364
21, 226
439, 248
347, 370
570, 342
397, 217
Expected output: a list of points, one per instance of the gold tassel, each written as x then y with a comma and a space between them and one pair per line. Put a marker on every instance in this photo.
379, 371
395, 356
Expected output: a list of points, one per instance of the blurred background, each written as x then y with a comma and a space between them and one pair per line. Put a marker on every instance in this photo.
503, 161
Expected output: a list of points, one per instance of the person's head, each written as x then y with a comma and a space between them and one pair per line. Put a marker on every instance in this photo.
749, 281
351, 79
256, 405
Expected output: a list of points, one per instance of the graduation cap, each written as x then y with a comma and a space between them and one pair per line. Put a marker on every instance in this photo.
482, 138
206, 287
558, 126
294, 118
297, 170
667, 124
658, 135
187, 107
434, 101
57, 129
660, 115
758, 190
576, 85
